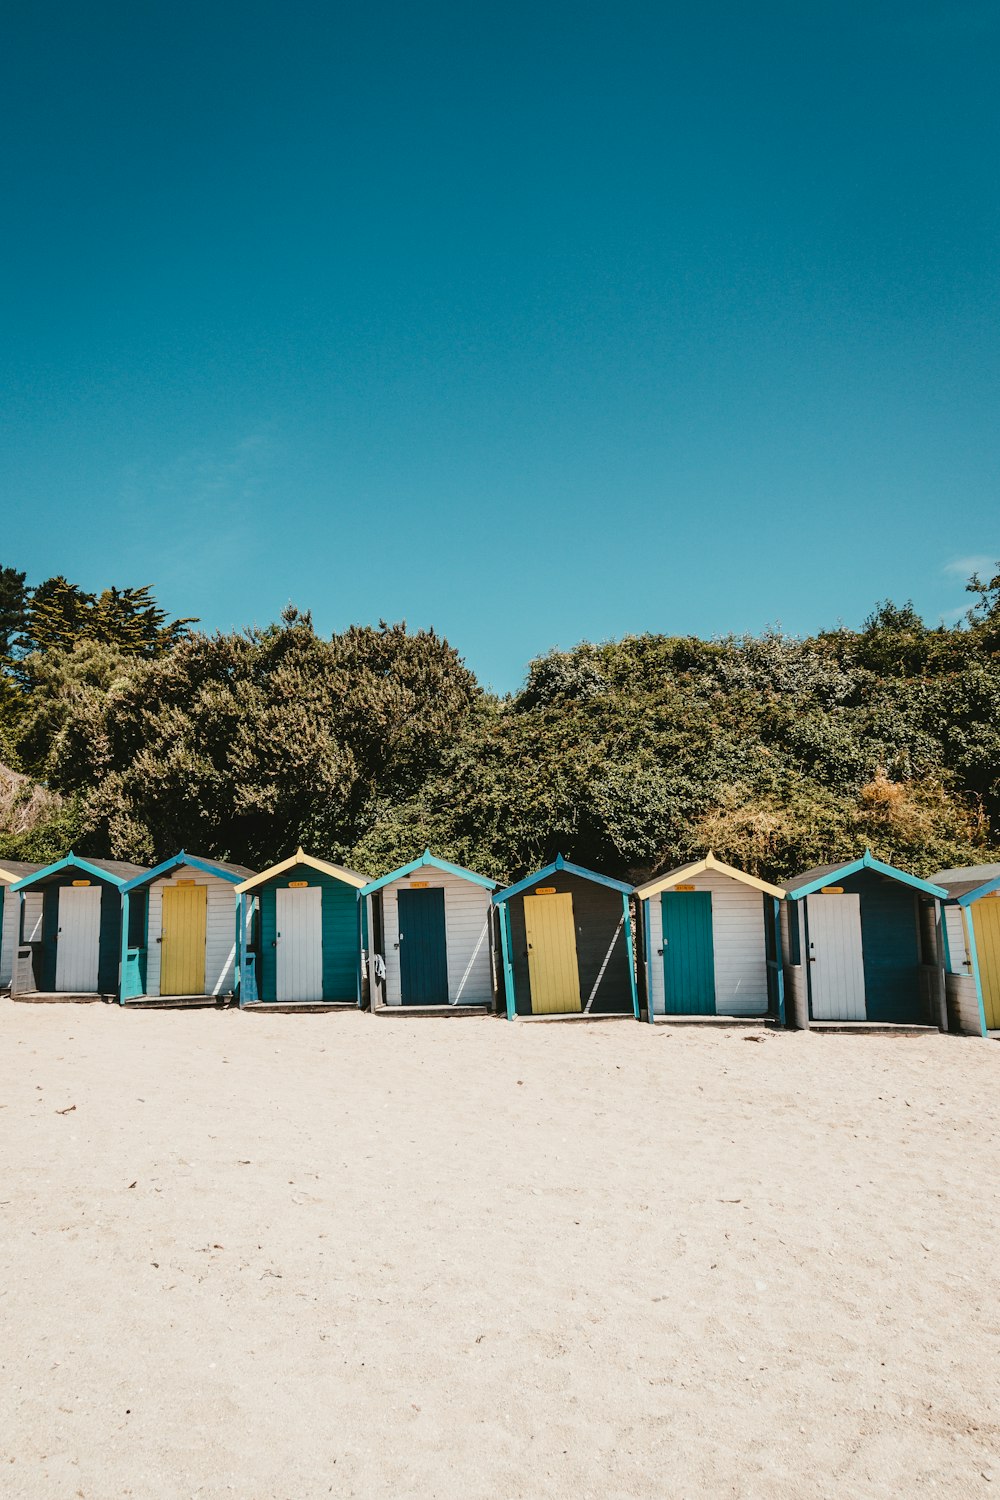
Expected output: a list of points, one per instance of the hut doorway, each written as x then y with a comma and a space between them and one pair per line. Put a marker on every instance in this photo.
423, 947
837, 976
299, 939
79, 939
986, 930
688, 953
553, 970
182, 939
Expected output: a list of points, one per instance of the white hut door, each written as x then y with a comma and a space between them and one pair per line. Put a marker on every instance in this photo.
79, 944
299, 928
837, 971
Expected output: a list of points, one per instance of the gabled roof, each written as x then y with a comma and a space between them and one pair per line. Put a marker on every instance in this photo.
233, 873
15, 869
561, 865
428, 860
967, 885
683, 873
338, 872
811, 881
116, 871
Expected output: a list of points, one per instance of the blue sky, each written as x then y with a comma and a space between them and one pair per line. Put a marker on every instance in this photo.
532, 322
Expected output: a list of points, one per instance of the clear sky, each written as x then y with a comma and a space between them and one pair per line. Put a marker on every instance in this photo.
534, 322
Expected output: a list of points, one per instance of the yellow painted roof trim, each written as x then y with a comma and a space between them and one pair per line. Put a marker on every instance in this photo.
684, 873
339, 872
8, 876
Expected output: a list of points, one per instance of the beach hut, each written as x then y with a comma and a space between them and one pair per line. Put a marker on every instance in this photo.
189, 912
300, 934
972, 947
566, 936
431, 937
862, 944
711, 943
72, 937
10, 915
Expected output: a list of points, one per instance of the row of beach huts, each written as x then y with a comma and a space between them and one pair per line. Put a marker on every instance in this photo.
850, 945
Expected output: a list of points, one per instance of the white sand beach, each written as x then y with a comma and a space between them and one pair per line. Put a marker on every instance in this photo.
287, 1256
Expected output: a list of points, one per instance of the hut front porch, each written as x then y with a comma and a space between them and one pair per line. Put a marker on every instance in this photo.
877, 1028
179, 1002
61, 997
432, 1010
297, 1007
741, 1022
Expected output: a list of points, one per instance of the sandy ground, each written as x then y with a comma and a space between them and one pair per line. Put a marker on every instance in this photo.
293, 1256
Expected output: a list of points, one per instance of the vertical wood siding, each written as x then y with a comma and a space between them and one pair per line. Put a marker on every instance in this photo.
340, 935
220, 930
738, 946
467, 910
78, 953
688, 957
553, 968
836, 954
963, 1004
889, 929
958, 947
34, 907
600, 945
423, 946
9, 932
796, 981
184, 911
985, 914
298, 919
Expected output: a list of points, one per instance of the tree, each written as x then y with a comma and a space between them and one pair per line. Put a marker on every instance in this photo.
245, 745
13, 607
55, 614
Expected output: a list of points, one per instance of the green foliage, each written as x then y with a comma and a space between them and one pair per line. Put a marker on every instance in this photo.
48, 839
628, 756
56, 614
13, 606
244, 745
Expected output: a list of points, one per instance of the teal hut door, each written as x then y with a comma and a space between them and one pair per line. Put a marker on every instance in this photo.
423, 948
688, 953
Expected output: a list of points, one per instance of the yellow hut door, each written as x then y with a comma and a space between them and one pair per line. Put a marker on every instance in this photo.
553, 971
182, 940
986, 927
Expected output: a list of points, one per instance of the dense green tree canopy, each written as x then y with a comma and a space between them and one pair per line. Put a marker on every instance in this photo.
777, 752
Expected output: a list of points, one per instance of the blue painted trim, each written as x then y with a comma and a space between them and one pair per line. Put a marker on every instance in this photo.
174, 863
508, 967
123, 964
945, 945
971, 896
359, 907
970, 935
236, 950
866, 862
70, 862
804, 957
631, 955
241, 942
561, 865
427, 860
779, 958
646, 948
